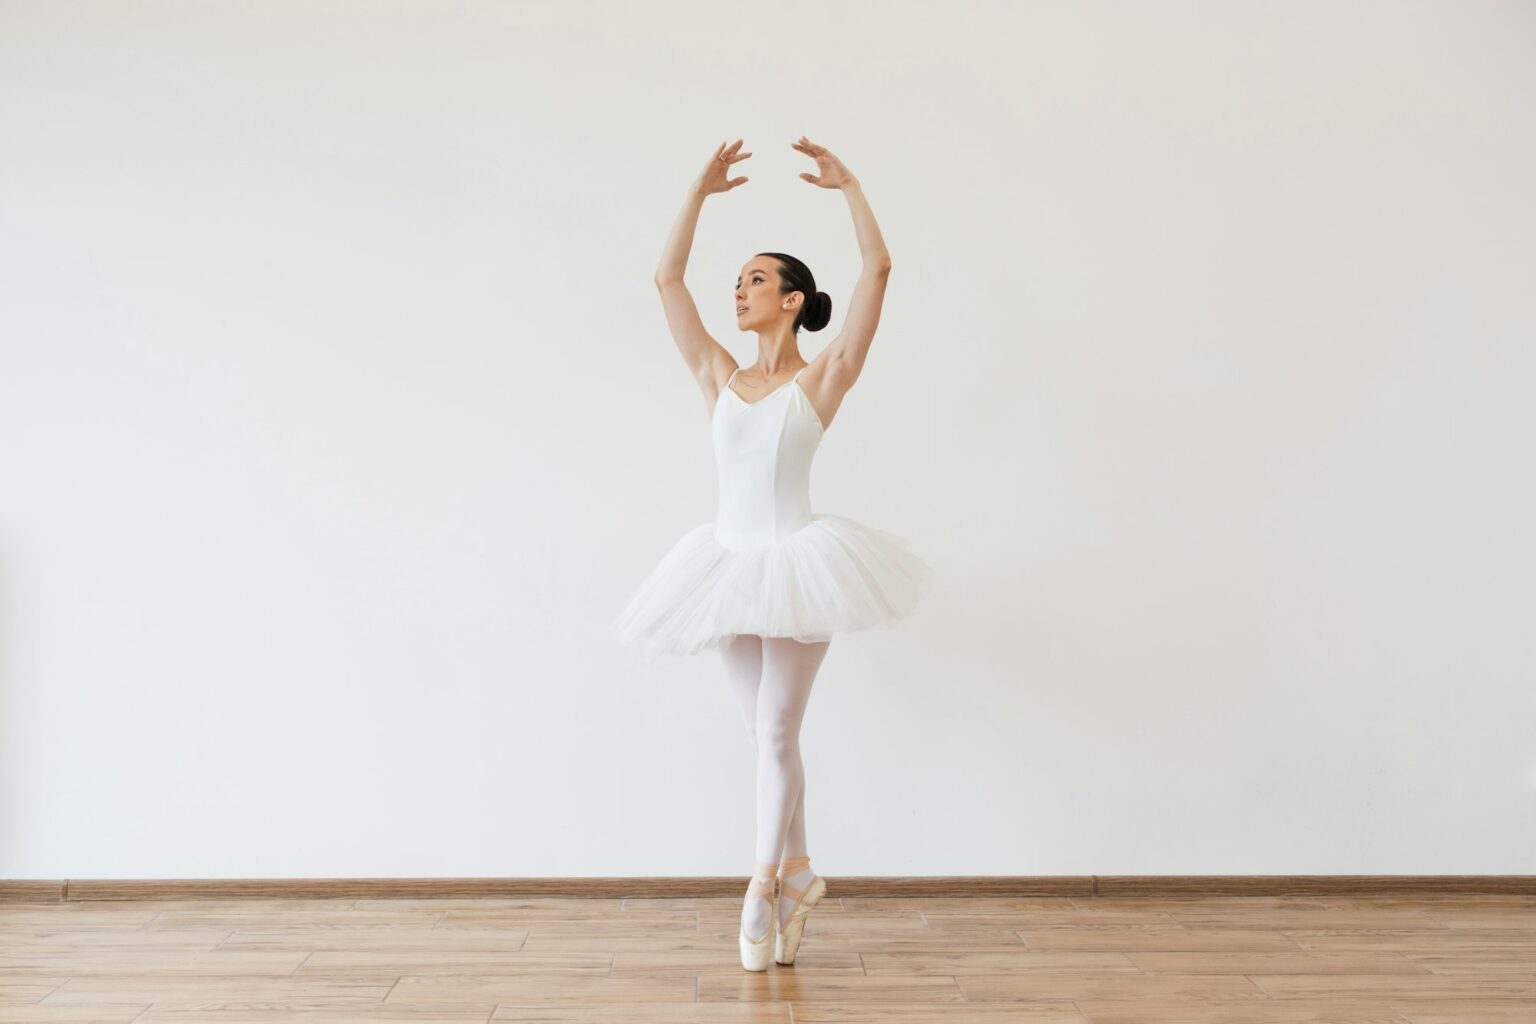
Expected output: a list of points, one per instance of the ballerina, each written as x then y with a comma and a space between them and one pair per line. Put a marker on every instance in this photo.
769, 582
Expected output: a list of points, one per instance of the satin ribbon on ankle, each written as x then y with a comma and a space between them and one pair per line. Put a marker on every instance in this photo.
793, 865
762, 879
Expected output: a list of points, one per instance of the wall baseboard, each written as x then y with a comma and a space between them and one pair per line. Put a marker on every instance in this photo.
70, 889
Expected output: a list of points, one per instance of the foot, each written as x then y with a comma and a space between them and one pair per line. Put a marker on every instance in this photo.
797, 874
796, 903
759, 939
756, 911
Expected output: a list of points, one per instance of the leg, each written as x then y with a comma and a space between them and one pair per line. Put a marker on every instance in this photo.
744, 669
743, 656
789, 670
794, 840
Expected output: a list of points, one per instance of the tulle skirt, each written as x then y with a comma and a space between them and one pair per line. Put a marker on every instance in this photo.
833, 575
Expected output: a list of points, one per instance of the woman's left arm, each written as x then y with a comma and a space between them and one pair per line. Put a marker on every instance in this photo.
851, 346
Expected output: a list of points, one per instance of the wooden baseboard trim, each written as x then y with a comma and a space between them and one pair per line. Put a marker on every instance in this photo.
73, 889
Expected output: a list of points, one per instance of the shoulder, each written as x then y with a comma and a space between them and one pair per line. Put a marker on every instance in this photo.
827, 374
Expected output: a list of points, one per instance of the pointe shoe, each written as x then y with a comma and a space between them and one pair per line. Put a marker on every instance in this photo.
754, 952
787, 943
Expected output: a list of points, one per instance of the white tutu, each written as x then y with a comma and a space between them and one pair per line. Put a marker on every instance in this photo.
833, 575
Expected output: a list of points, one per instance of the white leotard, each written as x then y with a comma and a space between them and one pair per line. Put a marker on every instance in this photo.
763, 455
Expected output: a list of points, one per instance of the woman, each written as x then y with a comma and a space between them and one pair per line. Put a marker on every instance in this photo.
769, 582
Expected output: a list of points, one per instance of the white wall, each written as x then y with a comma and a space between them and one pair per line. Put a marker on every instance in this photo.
338, 416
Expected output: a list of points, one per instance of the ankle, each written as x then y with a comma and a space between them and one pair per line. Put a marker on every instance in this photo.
762, 883
791, 866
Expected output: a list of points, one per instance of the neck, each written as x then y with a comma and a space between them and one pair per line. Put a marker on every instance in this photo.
777, 353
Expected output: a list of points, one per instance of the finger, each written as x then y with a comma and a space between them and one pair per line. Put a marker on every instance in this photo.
810, 178
740, 156
738, 181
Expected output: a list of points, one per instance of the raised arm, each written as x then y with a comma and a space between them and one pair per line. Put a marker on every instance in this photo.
849, 349
707, 359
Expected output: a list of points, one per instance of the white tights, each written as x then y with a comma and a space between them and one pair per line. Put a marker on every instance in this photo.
771, 678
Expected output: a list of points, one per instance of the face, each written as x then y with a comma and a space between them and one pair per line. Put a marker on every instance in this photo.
758, 290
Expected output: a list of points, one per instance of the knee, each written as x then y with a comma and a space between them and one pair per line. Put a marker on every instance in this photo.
776, 739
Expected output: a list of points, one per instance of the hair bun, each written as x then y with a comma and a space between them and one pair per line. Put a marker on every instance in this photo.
818, 312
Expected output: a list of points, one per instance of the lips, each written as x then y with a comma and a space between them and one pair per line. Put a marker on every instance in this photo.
740, 310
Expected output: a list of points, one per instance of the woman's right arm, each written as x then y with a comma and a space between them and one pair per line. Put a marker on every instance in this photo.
707, 359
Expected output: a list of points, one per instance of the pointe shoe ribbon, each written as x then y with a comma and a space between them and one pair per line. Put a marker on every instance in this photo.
792, 928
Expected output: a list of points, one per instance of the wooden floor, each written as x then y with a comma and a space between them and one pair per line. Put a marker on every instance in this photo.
1426, 960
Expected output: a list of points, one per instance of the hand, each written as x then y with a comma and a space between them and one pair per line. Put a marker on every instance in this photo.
833, 173
712, 178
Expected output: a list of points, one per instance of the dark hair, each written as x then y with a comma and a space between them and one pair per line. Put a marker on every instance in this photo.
816, 310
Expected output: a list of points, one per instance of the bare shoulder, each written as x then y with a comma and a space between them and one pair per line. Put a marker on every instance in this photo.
828, 375
713, 375
825, 380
